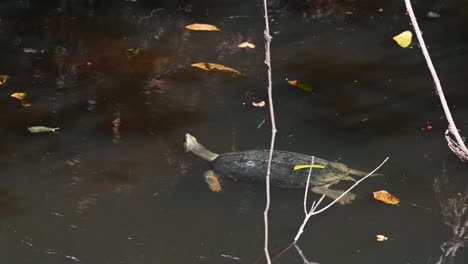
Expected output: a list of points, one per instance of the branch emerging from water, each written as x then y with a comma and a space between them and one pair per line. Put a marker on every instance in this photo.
313, 209
273, 125
458, 147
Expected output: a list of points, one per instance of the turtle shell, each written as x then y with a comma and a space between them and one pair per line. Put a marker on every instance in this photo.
251, 166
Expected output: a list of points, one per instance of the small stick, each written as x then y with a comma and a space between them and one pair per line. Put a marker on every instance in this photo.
306, 261
151, 14
315, 205
307, 185
457, 147
273, 125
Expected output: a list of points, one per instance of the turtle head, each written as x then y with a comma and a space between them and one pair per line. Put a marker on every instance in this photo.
191, 145
190, 142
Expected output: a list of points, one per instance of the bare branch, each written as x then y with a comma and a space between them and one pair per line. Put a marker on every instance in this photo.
306, 261
273, 125
313, 208
457, 147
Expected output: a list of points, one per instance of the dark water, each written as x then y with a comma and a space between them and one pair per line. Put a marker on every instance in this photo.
115, 185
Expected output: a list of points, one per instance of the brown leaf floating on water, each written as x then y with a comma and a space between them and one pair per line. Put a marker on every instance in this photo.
215, 67
202, 27
246, 45
386, 197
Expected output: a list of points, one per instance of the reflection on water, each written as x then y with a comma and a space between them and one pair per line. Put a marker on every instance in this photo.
115, 185
454, 209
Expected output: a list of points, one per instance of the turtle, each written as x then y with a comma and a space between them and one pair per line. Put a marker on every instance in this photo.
288, 169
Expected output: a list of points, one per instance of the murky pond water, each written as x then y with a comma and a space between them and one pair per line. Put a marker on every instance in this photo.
116, 186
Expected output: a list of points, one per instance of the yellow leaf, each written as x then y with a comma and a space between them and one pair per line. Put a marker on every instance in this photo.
202, 27
23, 97
19, 96
216, 67
300, 167
404, 39
300, 85
3, 79
246, 45
386, 197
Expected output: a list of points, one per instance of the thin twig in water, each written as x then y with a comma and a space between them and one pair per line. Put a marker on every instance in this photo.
306, 261
457, 147
151, 14
307, 185
261, 123
273, 126
315, 205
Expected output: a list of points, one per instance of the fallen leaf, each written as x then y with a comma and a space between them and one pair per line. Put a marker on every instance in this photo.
213, 66
433, 14
300, 167
381, 238
246, 45
300, 85
259, 104
19, 96
26, 103
386, 197
31, 50
132, 52
404, 39
202, 27
41, 129
427, 128
3, 79
23, 97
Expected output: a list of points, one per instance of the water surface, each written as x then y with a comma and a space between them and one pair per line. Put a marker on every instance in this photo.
115, 185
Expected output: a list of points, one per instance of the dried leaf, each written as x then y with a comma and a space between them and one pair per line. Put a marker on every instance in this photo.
404, 39
41, 129
381, 238
23, 97
3, 79
246, 45
300, 167
19, 96
386, 197
202, 27
300, 85
213, 66
26, 103
259, 104
31, 50
132, 52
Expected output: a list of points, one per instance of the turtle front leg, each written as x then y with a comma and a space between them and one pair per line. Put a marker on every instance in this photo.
212, 180
334, 194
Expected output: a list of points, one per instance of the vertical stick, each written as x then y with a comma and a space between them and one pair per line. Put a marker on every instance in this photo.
452, 127
273, 125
